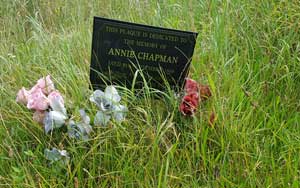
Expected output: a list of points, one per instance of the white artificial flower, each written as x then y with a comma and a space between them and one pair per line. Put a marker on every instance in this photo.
81, 129
119, 112
56, 155
54, 119
101, 118
56, 102
108, 104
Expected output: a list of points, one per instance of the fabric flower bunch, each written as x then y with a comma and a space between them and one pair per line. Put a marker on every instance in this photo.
57, 155
193, 94
49, 109
47, 103
109, 107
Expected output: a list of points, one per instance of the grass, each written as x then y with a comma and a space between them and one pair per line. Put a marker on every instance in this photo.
247, 51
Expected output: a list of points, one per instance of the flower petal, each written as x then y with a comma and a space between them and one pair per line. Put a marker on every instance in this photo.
189, 104
56, 155
73, 131
77, 131
52, 155
85, 130
119, 112
85, 118
111, 94
56, 102
106, 105
101, 118
97, 97
37, 100
191, 86
22, 96
82, 129
54, 119
45, 84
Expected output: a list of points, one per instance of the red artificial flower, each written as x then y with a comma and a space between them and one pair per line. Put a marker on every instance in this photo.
189, 104
191, 86
193, 92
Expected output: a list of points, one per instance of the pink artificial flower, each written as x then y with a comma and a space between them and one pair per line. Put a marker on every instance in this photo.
45, 84
38, 116
34, 89
22, 96
189, 104
37, 100
191, 86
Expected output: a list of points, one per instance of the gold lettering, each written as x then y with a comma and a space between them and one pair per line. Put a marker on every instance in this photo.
157, 56
143, 55
123, 53
111, 51
140, 55
175, 60
132, 54
151, 58
117, 52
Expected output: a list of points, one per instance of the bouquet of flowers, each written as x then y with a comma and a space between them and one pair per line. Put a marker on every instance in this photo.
49, 110
194, 93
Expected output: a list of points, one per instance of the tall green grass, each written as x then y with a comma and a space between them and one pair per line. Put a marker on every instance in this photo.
247, 51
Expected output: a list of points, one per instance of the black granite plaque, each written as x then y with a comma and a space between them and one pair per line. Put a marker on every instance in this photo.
121, 50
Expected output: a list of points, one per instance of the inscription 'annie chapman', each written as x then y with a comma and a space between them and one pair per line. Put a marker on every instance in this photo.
145, 56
